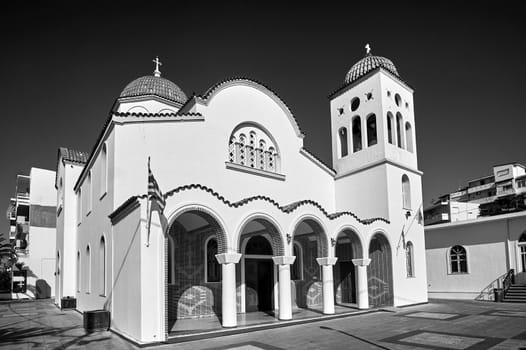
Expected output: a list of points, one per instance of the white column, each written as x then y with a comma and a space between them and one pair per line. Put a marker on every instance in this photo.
362, 288
328, 283
228, 263
285, 297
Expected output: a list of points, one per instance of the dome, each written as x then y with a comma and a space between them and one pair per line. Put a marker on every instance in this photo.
154, 85
368, 64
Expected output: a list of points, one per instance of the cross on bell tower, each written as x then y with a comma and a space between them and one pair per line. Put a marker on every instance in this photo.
158, 63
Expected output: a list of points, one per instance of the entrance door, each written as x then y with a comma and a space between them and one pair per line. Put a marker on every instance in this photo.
259, 277
347, 279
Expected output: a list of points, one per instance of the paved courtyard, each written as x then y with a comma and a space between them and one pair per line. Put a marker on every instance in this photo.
439, 324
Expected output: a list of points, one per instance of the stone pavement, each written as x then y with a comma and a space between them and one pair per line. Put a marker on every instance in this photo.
440, 324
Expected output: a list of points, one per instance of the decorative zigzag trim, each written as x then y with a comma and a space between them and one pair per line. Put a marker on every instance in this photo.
285, 209
141, 114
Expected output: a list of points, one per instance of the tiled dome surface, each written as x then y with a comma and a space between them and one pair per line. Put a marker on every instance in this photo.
367, 64
151, 85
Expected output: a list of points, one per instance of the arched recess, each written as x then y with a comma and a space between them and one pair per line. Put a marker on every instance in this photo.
311, 238
372, 137
399, 130
380, 271
348, 247
409, 137
259, 240
343, 143
356, 134
190, 295
522, 256
391, 136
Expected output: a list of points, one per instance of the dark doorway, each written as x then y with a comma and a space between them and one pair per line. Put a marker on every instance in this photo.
347, 278
259, 276
344, 272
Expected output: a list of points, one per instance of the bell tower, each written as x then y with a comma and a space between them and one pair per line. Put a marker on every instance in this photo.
373, 141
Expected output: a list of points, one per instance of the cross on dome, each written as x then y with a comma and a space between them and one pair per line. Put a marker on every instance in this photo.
158, 63
367, 49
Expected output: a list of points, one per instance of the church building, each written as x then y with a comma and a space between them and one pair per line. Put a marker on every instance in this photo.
251, 220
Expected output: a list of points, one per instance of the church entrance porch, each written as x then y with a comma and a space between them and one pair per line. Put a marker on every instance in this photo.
194, 276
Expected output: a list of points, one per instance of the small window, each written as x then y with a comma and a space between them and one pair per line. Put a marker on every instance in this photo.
342, 136
355, 103
102, 266
409, 137
458, 259
357, 134
406, 192
103, 170
371, 131
399, 129
88, 270
213, 268
390, 128
409, 259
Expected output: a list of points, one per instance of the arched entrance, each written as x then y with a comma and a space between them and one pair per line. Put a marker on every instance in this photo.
380, 272
260, 241
348, 247
193, 273
309, 243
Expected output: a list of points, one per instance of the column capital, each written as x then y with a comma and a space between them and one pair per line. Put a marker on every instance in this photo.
283, 260
326, 261
228, 258
361, 262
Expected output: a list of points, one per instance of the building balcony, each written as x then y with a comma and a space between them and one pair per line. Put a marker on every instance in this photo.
481, 187
436, 219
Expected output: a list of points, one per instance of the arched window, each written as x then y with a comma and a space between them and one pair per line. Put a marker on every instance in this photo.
258, 151
356, 134
232, 149
296, 272
342, 134
251, 149
390, 128
88, 270
406, 192
409, 259
79, 272
458, 259
409, 137
213, 268
103, 170
399, 126
522, 251
102, 266
261, 154
242, 154
371, 130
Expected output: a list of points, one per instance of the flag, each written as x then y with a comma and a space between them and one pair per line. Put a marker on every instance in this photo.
154, 192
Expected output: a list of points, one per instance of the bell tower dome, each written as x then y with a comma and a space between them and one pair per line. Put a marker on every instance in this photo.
373, 132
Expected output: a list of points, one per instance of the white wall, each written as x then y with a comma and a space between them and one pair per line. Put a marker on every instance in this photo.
491, 245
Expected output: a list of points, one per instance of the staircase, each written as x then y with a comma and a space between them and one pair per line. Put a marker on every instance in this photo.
516, 293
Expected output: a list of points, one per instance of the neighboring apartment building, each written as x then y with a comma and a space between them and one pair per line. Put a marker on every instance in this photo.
500, 193
32, 214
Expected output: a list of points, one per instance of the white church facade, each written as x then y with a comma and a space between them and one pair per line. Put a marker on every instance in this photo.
253, 221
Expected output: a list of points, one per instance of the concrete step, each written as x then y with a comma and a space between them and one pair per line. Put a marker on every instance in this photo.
507, 300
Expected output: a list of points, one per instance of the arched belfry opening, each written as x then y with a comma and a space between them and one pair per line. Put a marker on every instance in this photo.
348, 247
380, 272
193, 273
259, 242
309, 243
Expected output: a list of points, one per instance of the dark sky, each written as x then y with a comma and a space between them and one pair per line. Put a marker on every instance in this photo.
62, 68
